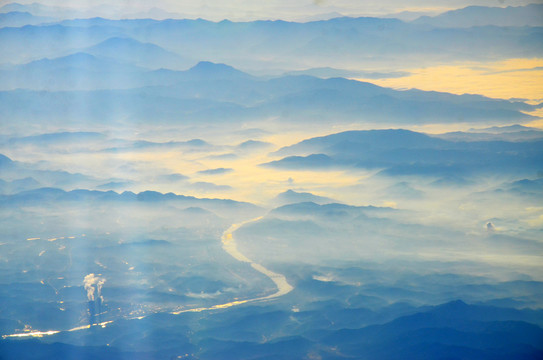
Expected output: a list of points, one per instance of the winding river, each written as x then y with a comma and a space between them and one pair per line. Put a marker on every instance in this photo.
230, 246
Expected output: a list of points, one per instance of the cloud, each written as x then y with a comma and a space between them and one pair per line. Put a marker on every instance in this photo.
485, 79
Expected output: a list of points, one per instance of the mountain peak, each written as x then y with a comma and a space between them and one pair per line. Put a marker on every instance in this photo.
12, 7
211, 66
290, 197
117, 44
5, 161
455, 304
79, 59
216, 71
454, 307
120, 40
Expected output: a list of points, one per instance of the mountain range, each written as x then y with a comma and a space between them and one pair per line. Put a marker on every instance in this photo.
181, 188
242, 44
402, 152
529, 15
454, 329
217, 92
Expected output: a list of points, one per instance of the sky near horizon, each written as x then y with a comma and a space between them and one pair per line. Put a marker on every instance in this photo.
274, 9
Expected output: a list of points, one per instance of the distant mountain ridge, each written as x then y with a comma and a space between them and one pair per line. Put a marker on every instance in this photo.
213, 71
218, 92
130, 51
54, 194
328, 72
21, 18
448, 330
529, 15
291, 196
81, 61
66, 12
59, 137
99, 69
403, 152
245, 44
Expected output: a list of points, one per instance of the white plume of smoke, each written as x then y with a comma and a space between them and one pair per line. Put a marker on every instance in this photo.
93, 285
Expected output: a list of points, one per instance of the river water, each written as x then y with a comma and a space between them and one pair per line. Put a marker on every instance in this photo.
230, 246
